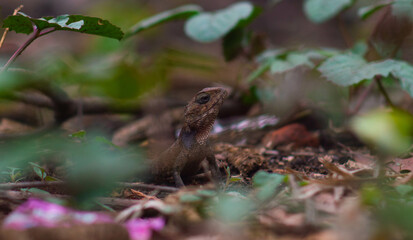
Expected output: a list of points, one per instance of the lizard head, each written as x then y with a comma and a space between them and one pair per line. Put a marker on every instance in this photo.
201, 111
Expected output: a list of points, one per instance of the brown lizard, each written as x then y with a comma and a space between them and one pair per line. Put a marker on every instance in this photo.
183, 159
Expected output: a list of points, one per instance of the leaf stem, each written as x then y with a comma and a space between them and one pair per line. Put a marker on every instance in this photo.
361, 99
378, 78
21, 49
47, 32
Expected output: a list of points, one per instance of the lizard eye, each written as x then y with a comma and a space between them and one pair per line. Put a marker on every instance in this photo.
202, 98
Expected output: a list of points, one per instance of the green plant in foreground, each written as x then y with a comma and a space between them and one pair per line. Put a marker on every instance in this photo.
14, 174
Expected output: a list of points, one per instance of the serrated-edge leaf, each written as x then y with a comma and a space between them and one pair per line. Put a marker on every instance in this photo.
405, 75
341, 69
319, 11
348, 69
182, 12
269, 54
208, 27
367, 11
292, 61
383, 68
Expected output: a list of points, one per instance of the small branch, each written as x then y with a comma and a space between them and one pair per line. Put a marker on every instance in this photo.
344, 32
21, 49
361, 99
19, 185
7, 29
46, 32
377, 79
19, 196
148, 186
37, 100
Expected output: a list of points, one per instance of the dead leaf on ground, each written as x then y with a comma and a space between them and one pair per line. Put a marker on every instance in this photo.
295, 134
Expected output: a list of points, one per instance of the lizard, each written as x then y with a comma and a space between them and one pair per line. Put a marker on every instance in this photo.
184, 157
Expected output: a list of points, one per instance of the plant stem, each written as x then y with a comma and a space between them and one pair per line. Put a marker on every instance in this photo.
346, 36
46, 32
21, 49
378, 78
7, 29
361, 99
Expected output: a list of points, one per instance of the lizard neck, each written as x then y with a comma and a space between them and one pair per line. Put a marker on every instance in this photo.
189, 136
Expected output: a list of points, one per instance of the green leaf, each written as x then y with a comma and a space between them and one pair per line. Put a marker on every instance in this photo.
292, 60
269, 54
260, 70
235, 179
107, 142
79, 134
12, 80
208, 27
183, 12
24, 24
189, 198
267, 184
390, 131
367, 11
359, 48
19, 24
206, 193
403, 8
233, 208
341, 69
51, 179
371, 195
319, 11
404, 189
405, 75
41, 172
348, 69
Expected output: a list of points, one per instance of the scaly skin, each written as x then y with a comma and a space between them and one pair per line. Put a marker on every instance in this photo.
183, 159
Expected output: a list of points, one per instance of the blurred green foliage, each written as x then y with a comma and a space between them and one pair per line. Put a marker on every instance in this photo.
391, 209
92, 166
388, 131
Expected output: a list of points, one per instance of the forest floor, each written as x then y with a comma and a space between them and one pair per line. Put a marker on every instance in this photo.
282, 180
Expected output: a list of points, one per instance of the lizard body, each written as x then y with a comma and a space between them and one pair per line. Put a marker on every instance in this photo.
183, 159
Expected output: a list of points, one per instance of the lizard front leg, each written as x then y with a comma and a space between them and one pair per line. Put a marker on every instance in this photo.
178, 180
210, 157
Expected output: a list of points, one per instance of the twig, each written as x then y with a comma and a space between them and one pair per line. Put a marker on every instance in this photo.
59, 183
46, 32
343, 31
7, 29
110, 201
21, 48
30, 99
18, 185
148, 186
378, 78
361, 99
